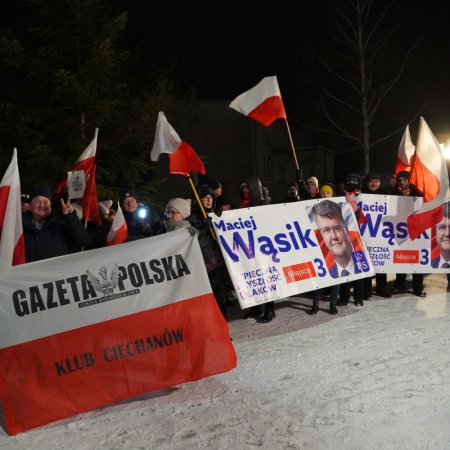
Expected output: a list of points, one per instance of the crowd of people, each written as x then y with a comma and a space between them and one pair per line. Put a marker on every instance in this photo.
50, 233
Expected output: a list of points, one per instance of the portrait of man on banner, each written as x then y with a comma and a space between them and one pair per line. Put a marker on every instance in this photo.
341, 246
440, 241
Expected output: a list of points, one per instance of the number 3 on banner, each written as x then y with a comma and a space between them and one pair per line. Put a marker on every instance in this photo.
321, 271
424, 260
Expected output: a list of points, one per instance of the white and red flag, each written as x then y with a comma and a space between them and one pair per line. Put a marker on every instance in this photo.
90, 199
262, 102
12, 244
429, 174
183, 158
86, 163
118, 232
405, 152
87, 329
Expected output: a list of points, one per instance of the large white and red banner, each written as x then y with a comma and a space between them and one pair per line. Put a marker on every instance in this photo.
390, 247
83, 330
276, 251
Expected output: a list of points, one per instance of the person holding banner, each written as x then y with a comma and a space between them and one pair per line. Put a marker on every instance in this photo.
176, 212
212, 255
331, 225
404, 187
325, 192
45, 237
256, 199
373, 186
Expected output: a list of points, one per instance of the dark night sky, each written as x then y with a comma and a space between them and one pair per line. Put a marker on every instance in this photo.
225, 48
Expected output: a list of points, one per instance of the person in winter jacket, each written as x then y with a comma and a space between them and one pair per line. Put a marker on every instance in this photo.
373, 186
48, 237
142, 220
404, 187
292, 193
255, 198
212, 255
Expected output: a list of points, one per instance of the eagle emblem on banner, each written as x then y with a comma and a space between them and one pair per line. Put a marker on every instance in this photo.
102, 284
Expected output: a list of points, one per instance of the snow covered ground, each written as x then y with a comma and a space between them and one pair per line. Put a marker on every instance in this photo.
373, 377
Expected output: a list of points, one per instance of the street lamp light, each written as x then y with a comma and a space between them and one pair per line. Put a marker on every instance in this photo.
445, 148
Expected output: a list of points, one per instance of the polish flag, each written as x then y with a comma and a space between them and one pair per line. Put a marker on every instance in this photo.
12, 244
262, 102
90, 200
182, 156
429, 175
405, 152
85, 162
119, 230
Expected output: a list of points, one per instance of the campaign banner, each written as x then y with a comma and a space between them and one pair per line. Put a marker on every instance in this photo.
91, 328
276, 251
386, 236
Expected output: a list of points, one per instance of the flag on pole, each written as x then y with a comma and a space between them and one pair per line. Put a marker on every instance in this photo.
262, 103
429, 171
90, 200
12, 244
86, 163
405, 152
429, 174
182, 156
119, 230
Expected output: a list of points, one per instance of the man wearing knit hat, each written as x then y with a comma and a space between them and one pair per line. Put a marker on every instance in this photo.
373, 184
292, 193
142, 220
46, 237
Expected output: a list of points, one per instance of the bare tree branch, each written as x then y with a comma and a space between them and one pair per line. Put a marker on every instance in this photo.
338, 127
334, 73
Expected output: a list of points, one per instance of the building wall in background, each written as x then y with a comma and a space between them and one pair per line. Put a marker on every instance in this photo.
234, 147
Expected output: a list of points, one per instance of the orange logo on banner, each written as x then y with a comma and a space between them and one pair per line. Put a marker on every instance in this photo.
299, 272
406, 256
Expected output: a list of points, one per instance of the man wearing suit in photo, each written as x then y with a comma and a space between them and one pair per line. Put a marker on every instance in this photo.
442, 261
330, 222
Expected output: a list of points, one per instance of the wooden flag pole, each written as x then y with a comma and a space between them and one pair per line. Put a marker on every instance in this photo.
292, 147
213, 234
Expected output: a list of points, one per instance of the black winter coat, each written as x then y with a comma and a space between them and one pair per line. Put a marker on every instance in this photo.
410, 191
57, 237
212, 256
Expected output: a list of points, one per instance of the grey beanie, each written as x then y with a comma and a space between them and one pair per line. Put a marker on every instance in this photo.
183, 206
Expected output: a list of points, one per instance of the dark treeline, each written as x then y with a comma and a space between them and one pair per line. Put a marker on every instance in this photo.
65, 70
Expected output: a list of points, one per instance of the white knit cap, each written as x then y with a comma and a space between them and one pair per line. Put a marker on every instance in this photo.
313, 180
183, 206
